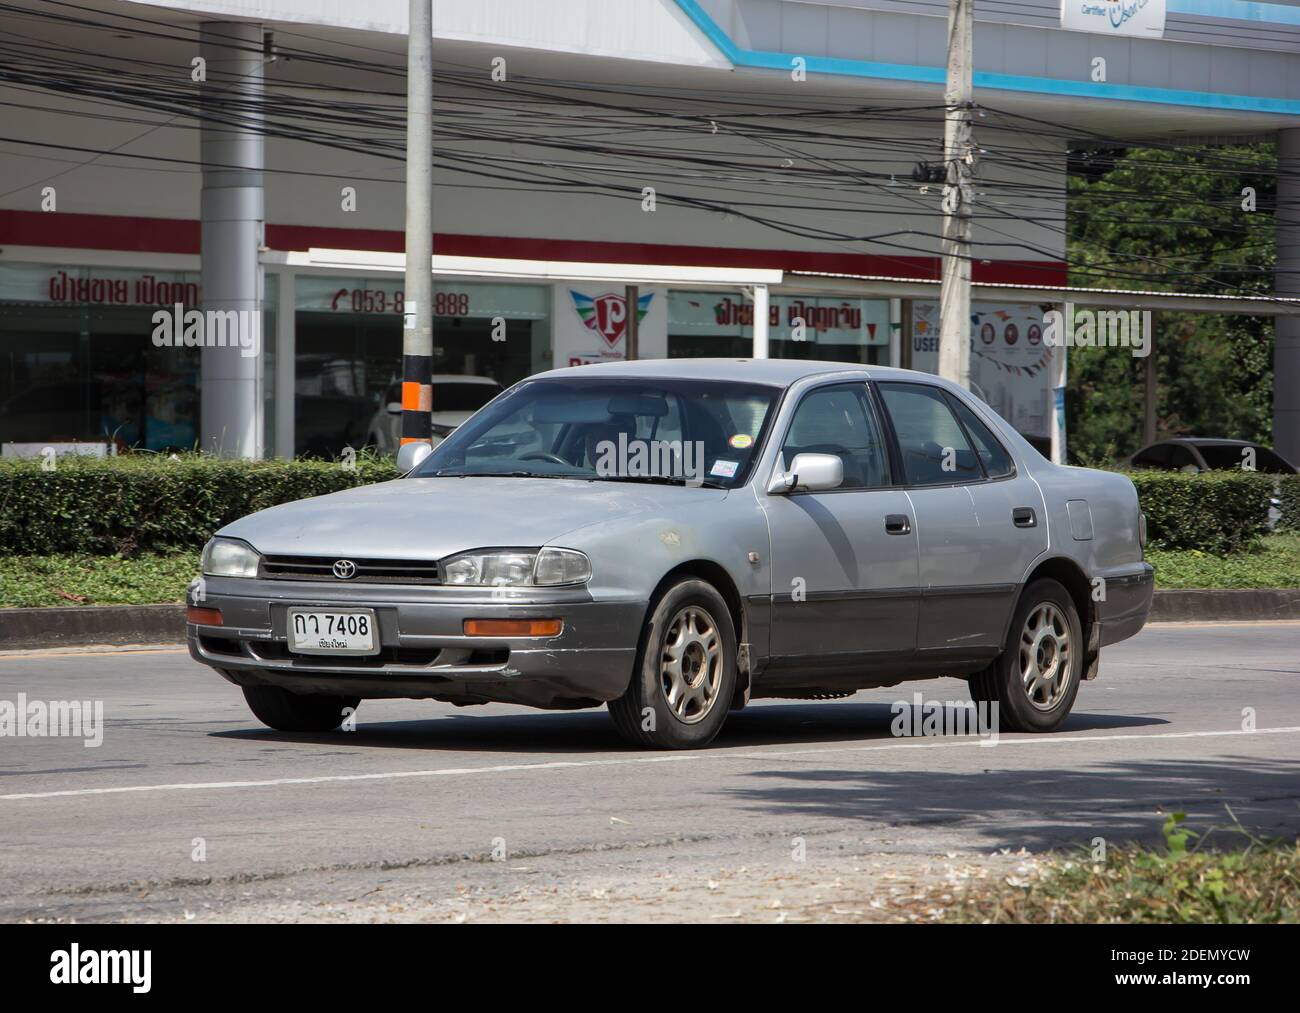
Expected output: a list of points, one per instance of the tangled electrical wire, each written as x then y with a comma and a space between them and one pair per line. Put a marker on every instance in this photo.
807, 170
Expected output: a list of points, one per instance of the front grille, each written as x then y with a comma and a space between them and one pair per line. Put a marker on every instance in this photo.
369, 571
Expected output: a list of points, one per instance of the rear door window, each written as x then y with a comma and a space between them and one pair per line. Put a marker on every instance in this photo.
934, 448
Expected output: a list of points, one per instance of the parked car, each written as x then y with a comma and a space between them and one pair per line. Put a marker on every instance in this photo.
811, 529
455, 399
1208, 453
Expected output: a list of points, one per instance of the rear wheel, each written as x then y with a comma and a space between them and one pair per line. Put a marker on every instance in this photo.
1036, 678
297, 712
685, 671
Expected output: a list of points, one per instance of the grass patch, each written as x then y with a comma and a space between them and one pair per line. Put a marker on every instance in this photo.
1175, 884
1274, 562
148, 579
68, 580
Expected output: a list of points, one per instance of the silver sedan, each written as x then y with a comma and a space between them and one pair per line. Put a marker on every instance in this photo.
674, 538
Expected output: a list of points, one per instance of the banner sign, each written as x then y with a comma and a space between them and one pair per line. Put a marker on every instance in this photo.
1141, 18
1010, 366
591, 323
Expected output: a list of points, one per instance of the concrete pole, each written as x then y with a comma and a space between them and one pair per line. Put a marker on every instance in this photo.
632, 324
1150, 398
232, 230
1286, 282
762, 313
417, 319
958, 152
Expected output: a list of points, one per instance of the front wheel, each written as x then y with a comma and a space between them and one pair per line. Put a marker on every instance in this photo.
297, 712
685, 671
1035, 679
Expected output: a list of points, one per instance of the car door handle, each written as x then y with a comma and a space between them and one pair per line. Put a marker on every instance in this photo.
897, 524
1023, 517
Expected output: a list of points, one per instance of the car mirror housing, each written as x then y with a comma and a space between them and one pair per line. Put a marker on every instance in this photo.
411, 455
810, 473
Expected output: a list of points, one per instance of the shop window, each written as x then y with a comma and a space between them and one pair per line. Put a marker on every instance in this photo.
78, 363
348, 348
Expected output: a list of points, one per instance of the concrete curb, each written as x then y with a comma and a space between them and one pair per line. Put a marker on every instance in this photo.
1212, 606
79, 626
32, 629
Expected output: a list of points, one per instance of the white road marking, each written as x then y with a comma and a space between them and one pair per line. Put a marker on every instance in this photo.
720, 754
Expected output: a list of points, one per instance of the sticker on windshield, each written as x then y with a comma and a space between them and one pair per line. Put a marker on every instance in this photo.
742, 441
724, 469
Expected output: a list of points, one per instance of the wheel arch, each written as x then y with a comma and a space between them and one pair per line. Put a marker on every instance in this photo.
1070, 575
716, 574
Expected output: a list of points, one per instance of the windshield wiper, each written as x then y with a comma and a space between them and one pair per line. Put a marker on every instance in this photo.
662, 480
444, 473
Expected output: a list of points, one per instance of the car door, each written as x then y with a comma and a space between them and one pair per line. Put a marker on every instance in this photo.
976, 534
844, 561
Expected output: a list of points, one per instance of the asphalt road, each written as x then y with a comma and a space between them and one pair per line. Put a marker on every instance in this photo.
427, 811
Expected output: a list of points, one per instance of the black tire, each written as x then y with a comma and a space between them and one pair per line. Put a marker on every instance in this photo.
1003, 681
643, 715
297, 712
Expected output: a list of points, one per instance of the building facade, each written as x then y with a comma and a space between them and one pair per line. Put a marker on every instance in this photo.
708, 149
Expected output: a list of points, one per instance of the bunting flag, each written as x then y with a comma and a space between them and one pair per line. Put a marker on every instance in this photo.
1032, 369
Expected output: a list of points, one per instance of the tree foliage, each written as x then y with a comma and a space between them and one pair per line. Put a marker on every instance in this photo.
1174, 220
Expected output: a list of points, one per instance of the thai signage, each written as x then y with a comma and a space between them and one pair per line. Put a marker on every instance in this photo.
790, 318
1142, 18
95, 286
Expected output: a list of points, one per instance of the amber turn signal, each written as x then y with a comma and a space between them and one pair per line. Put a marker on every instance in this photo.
513, 627
204, 617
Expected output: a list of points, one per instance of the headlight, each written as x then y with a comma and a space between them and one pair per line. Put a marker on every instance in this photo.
517, 567
561, 566
229, 557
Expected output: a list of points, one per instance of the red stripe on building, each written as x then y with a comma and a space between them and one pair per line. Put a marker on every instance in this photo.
175, 235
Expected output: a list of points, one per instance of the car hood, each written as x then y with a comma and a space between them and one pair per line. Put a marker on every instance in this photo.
429, 518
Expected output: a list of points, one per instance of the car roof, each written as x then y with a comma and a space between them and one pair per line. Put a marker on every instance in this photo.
776, 372
1209, 441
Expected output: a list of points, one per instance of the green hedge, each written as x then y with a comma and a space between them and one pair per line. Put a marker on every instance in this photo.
1219, 511
1289, 494
152, 503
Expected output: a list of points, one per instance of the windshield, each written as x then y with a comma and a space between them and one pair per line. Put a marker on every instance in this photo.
689, 432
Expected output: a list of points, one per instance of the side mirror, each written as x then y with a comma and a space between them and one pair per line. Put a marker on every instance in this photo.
810, 472
411, 455
393, 407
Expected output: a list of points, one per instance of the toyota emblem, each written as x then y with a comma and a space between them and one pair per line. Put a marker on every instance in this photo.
345, 569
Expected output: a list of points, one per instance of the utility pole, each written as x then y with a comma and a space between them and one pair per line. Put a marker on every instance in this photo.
631, 325
959, 156
417, 315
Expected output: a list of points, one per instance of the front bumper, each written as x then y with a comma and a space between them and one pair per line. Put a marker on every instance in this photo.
423, 650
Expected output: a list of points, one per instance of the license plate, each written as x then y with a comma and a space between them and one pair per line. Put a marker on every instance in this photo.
333, 631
